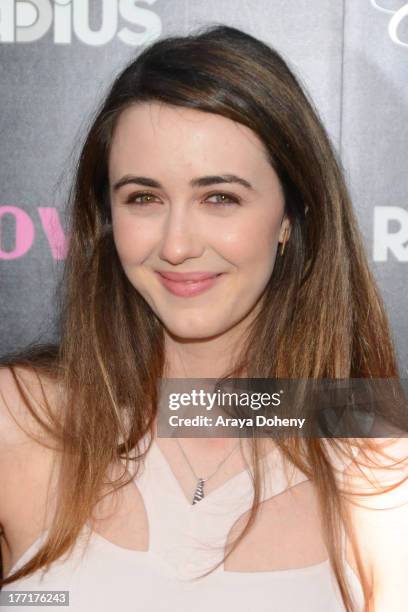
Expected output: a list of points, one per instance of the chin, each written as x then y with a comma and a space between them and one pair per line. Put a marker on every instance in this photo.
193, 329
182, 333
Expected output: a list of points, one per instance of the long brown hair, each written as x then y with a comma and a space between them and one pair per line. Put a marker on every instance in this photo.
321, 316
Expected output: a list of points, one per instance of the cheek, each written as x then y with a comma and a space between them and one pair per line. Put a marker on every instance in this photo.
133, 241
252, 243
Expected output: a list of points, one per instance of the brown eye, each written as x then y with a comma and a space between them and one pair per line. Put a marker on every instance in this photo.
147, 198
225, 199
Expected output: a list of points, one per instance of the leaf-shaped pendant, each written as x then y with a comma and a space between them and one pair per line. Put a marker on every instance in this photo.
199, 492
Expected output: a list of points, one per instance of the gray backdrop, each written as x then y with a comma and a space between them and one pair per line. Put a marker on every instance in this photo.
58, 58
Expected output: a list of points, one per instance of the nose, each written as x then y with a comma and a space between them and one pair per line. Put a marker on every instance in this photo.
180, 238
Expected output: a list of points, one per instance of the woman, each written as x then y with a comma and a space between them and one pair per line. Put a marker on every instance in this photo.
212, 236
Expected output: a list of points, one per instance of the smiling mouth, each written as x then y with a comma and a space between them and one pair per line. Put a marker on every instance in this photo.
188, 285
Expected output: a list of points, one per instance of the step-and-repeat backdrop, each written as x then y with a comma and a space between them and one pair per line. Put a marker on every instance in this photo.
57, 58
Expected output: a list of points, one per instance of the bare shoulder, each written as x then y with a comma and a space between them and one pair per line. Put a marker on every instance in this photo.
25, 457
380, 463
24, 396
378, 494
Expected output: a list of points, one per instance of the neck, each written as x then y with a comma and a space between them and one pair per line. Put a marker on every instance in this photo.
201, 358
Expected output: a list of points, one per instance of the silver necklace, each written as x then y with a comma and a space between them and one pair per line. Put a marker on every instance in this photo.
199, 490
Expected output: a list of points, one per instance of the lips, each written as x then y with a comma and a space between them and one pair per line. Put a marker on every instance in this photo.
180, 277
187, 284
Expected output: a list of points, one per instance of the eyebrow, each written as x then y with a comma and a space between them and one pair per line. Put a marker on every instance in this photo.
202, 181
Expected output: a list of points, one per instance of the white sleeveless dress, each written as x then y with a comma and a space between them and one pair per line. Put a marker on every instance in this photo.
184, 542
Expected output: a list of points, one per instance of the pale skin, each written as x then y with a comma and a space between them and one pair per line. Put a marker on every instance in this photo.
223, 227
186, 228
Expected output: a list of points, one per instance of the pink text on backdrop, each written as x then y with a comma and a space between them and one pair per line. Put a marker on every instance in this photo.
25, 232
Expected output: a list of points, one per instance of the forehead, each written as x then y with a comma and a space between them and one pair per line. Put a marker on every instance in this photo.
174, 138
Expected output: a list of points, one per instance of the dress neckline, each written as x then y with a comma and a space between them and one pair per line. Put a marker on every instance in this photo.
226, 489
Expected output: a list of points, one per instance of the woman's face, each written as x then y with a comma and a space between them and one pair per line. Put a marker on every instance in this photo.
193, 192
